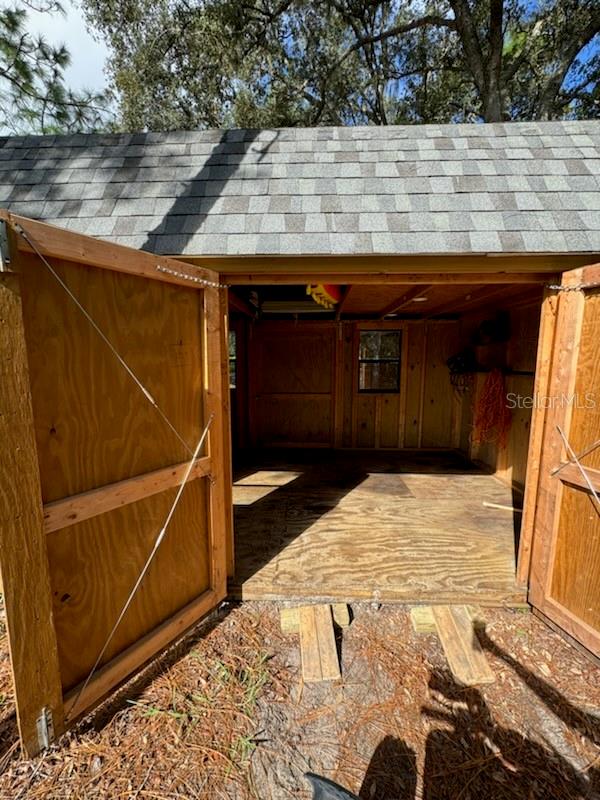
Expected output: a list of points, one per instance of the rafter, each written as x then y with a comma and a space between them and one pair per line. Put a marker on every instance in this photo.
404, 299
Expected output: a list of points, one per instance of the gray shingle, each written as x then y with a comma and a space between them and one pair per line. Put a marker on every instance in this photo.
408, 189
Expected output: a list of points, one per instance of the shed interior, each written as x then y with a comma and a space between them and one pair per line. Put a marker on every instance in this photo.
362, 466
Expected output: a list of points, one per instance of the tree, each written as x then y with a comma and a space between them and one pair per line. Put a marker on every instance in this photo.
214, 63
33, 95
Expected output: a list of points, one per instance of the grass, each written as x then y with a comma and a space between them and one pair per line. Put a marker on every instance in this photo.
221, 708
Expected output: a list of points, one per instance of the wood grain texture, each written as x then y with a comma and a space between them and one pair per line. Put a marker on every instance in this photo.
216, 403
465, 655
112, 674
439, 400
317, 644
94, 565
23, 560
541, 388
575, 567
292, 397
382, 526
71, 510
61, 243
93, 424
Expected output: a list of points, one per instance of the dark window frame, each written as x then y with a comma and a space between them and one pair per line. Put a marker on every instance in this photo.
383, 360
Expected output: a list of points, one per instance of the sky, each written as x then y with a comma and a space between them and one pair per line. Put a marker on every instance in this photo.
87, 55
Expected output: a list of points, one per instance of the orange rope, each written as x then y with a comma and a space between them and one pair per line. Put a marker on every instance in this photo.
491, 415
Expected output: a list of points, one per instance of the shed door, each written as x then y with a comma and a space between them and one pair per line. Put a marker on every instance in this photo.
565, 563
113, 363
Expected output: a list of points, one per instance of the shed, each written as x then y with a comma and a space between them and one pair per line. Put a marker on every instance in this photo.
378, 346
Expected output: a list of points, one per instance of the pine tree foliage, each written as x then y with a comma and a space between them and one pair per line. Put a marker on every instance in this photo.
33, 95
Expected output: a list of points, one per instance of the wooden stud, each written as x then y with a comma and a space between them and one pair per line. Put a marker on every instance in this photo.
226, 431
571, 474
62, 513
565, 350
217, 403
465, 655
23, 558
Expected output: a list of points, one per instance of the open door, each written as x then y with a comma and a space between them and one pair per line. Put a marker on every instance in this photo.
115, 524
561, 525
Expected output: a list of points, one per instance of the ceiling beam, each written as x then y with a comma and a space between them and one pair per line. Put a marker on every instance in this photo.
403, 300
237, 304
397, 279
465, 301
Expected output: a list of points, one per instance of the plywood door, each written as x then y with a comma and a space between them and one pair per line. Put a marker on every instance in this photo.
94, 466
565, 563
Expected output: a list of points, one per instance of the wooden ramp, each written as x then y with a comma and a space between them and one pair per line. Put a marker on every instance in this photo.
317, 638
456, 627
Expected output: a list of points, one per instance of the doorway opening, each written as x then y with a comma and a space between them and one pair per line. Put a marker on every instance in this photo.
381, 442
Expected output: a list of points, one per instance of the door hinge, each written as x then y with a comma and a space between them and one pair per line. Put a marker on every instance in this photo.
45, 728
4, 251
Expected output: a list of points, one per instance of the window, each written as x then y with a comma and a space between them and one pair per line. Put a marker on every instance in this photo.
379, 361
232, 360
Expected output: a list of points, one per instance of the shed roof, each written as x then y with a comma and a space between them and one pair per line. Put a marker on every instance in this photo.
527, 187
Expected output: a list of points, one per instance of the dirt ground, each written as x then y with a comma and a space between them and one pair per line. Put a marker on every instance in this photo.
225, 714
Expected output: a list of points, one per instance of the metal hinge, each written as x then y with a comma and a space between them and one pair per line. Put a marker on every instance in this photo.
45, 728
4, 251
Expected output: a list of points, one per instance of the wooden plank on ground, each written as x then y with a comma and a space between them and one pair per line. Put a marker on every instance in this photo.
290, 617
317, 644
466, 658
423, 620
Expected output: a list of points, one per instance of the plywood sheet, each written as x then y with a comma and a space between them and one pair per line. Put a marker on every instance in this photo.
94, 565
357, 526
93, 425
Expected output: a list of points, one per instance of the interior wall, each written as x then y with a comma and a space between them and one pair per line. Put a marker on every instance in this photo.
303, 387
517, 357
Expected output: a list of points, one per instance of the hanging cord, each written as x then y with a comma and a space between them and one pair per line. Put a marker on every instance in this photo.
145, 568
586, 477
104, 338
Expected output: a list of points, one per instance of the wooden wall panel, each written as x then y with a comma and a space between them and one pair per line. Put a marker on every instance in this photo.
292, 383
295, 374
518, 357
93, 425
440, 403
293, 420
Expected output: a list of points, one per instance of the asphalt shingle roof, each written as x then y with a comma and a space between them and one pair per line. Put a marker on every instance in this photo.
508, 188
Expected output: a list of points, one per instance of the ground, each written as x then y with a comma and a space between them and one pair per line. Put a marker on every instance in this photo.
225, 715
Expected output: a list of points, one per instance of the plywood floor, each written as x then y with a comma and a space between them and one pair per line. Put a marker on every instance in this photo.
352, 526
